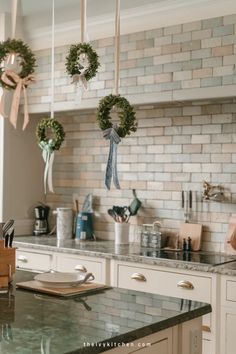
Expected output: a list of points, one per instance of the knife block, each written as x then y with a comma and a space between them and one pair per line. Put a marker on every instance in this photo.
7, 264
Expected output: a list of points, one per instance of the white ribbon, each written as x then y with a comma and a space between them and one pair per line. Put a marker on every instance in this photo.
117, 47
79, 80
48, 156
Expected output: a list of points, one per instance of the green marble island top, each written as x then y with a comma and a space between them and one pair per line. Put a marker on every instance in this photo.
32, 323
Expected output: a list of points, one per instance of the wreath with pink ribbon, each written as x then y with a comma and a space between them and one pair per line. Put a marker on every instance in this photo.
18, 52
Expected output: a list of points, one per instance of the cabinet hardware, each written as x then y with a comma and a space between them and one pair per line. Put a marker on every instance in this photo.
184, 284
138, 276
81, 268
206, 328
21, 258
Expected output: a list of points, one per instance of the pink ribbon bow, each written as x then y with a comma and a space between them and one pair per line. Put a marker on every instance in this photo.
12, 79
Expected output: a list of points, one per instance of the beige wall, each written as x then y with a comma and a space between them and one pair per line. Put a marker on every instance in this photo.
21, 165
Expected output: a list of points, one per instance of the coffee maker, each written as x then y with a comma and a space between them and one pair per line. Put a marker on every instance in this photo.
41, 220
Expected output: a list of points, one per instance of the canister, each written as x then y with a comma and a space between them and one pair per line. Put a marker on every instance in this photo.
64, 223
84, 226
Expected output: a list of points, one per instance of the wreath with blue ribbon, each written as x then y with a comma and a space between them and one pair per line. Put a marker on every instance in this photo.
114, 133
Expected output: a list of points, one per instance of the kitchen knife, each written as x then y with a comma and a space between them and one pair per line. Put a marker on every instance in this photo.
7, 226
11, 237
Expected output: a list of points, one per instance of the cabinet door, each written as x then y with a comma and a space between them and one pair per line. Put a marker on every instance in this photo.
228, 326
163, 342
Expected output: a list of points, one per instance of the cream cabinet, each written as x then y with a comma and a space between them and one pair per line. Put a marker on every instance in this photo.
197, 286
76, 263
184, 338
34, 260
228, 314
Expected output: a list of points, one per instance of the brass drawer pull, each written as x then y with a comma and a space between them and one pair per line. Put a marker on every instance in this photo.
184, 284
138, 276
206, 328
81, 268
21, 258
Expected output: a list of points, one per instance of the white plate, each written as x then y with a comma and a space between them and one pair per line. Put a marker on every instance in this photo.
62, 280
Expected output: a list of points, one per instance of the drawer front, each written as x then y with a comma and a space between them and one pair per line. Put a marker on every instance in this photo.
68, 263
180, 285
33, 260
231, 291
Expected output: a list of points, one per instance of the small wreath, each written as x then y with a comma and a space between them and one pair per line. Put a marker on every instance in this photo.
27, 58
128, 122
73, 67
57, 129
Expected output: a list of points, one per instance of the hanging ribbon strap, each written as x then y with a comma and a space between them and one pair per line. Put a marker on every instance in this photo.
111, 169
48, 156
12, 79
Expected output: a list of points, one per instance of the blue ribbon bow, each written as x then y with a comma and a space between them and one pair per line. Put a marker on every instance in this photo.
111, 169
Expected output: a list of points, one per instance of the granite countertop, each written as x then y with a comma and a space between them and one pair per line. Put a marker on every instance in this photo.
197, 261
34, 323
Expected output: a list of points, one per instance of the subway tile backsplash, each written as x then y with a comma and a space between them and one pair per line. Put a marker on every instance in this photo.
172, 150
177, 145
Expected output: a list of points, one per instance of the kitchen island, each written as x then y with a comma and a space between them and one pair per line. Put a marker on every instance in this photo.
34, 323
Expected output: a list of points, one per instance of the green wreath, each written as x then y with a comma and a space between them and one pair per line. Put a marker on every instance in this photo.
73, 67
57, 130
27, 58
128, 122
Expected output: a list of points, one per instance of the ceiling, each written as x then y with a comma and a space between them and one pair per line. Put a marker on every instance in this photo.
136, 15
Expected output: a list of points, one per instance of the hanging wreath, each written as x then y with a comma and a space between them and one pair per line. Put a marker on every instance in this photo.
48, 146
12, 80
56, 128
114, 133
82, 60
128, 122
25, 55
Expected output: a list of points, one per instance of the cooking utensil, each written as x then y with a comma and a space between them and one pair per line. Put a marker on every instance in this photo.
135, 204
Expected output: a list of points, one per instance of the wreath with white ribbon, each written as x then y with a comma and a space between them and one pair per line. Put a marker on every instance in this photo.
11, 80
82, 63
114, 133
48, 146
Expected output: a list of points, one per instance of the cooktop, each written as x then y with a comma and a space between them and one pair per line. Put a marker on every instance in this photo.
196, 257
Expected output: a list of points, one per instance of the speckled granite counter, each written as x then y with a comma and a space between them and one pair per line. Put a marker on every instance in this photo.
37, 324
197, 261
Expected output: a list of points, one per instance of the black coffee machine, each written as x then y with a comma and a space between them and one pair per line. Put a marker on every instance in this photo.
41, 220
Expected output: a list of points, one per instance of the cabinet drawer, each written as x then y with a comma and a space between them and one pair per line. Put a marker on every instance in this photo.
33, 260
68, 263
179, 284
228, 291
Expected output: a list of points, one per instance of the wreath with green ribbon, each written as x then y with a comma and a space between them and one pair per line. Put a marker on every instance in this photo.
27, 58
73, 65
58, 133
48, 146
114, 133
127, 117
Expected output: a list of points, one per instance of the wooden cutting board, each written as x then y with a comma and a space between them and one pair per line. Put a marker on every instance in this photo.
84, 288
230, 238
194, 231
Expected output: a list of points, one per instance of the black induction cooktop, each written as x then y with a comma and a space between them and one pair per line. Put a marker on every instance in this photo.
195, 257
